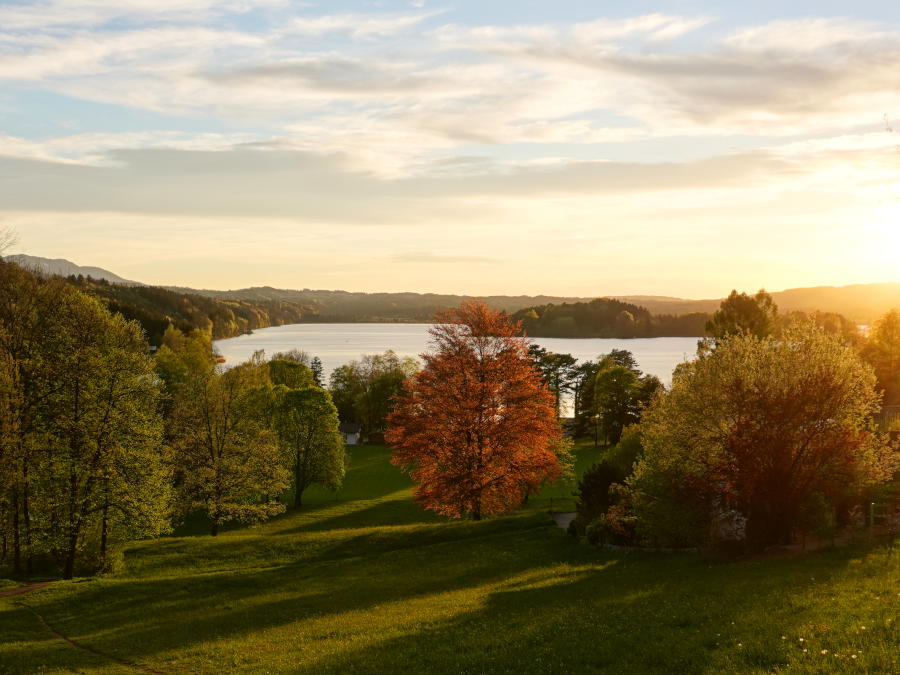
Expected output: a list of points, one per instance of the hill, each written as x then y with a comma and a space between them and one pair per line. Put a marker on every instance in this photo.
364, 581
66, 268
607, 318
329, 306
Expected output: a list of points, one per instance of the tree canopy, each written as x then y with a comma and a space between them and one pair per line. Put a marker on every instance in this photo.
476, 428
753, 432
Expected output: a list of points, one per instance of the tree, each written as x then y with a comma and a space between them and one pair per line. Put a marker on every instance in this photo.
226, 460
363, 390
475, 428
101, 434
749, 433
742, 314
318, 371
621, 393
81, 454
291, 374
882, 351
558, 371
306, 423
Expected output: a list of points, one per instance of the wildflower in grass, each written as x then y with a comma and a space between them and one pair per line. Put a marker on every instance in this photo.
824, 651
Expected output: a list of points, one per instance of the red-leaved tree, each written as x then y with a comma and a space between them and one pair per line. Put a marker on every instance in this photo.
475, 428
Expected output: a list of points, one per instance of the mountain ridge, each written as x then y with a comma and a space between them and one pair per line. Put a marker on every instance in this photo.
860, 302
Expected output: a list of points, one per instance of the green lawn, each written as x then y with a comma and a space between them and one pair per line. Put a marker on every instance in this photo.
364, 581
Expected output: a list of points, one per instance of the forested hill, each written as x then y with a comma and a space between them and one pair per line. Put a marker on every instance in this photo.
607, 318
346, 307
155, 308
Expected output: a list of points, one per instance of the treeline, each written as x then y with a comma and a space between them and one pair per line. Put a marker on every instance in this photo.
607, 318
327, 306
157, 308
101, 443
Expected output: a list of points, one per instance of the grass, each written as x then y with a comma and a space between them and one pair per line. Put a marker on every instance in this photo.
365, 581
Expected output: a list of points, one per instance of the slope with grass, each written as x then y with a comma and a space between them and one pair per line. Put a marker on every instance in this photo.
364, 581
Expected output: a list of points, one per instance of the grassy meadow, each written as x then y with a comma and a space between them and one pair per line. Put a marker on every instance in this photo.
363, 580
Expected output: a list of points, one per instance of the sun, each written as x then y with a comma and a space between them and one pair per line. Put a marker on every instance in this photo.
886, 227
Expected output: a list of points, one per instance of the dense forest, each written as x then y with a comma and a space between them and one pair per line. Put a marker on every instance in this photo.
326, 306
156, 308
607, 318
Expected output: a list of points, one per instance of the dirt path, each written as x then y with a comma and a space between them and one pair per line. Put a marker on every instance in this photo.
19, 590
27, 588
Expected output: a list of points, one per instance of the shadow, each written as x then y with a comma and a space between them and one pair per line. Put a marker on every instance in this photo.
646, 613
144, 620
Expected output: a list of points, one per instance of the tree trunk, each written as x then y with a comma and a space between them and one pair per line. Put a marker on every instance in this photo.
69, 569
298, 483
216, 521
17, 542
104, 527
26, 517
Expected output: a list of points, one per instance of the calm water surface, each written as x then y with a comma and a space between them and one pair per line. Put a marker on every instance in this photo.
337, 343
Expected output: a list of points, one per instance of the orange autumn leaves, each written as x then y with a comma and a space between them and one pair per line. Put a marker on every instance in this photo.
475, 428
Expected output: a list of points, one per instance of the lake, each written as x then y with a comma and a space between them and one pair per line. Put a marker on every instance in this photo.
337, 343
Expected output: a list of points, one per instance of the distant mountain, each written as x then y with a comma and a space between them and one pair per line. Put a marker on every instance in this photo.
66, 268
861, 303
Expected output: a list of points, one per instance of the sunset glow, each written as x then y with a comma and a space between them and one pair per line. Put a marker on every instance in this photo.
450, 148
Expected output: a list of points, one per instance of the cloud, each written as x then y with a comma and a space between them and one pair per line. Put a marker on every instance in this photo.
60, 13
313, 187
357, 25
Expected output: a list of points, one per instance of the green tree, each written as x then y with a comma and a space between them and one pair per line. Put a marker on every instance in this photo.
742, 314
364, 390
81, 452
227, 461
102, 466
306, 423
558, 371
621, 393
291, 374
749, 433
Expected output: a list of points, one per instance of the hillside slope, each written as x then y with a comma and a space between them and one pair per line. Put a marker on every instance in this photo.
364, 581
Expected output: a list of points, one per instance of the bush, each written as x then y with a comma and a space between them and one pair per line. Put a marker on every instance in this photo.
593, 489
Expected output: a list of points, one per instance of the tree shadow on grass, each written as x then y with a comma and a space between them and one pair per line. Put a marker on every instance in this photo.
648, 613
388, 512
143, 619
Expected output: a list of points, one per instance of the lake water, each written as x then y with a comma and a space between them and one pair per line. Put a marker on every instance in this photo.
337, 343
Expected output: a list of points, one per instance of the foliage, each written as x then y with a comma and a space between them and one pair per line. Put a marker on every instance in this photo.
157, 308
606, 318
81, 457
750, 431
227, 461
475, 427
742, 314
363, 391
290, 374
558, 371
882, 351
620, 395
306, 423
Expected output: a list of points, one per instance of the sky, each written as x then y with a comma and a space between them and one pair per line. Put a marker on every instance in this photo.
566, 147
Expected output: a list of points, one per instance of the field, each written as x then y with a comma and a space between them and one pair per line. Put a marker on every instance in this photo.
365, 581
